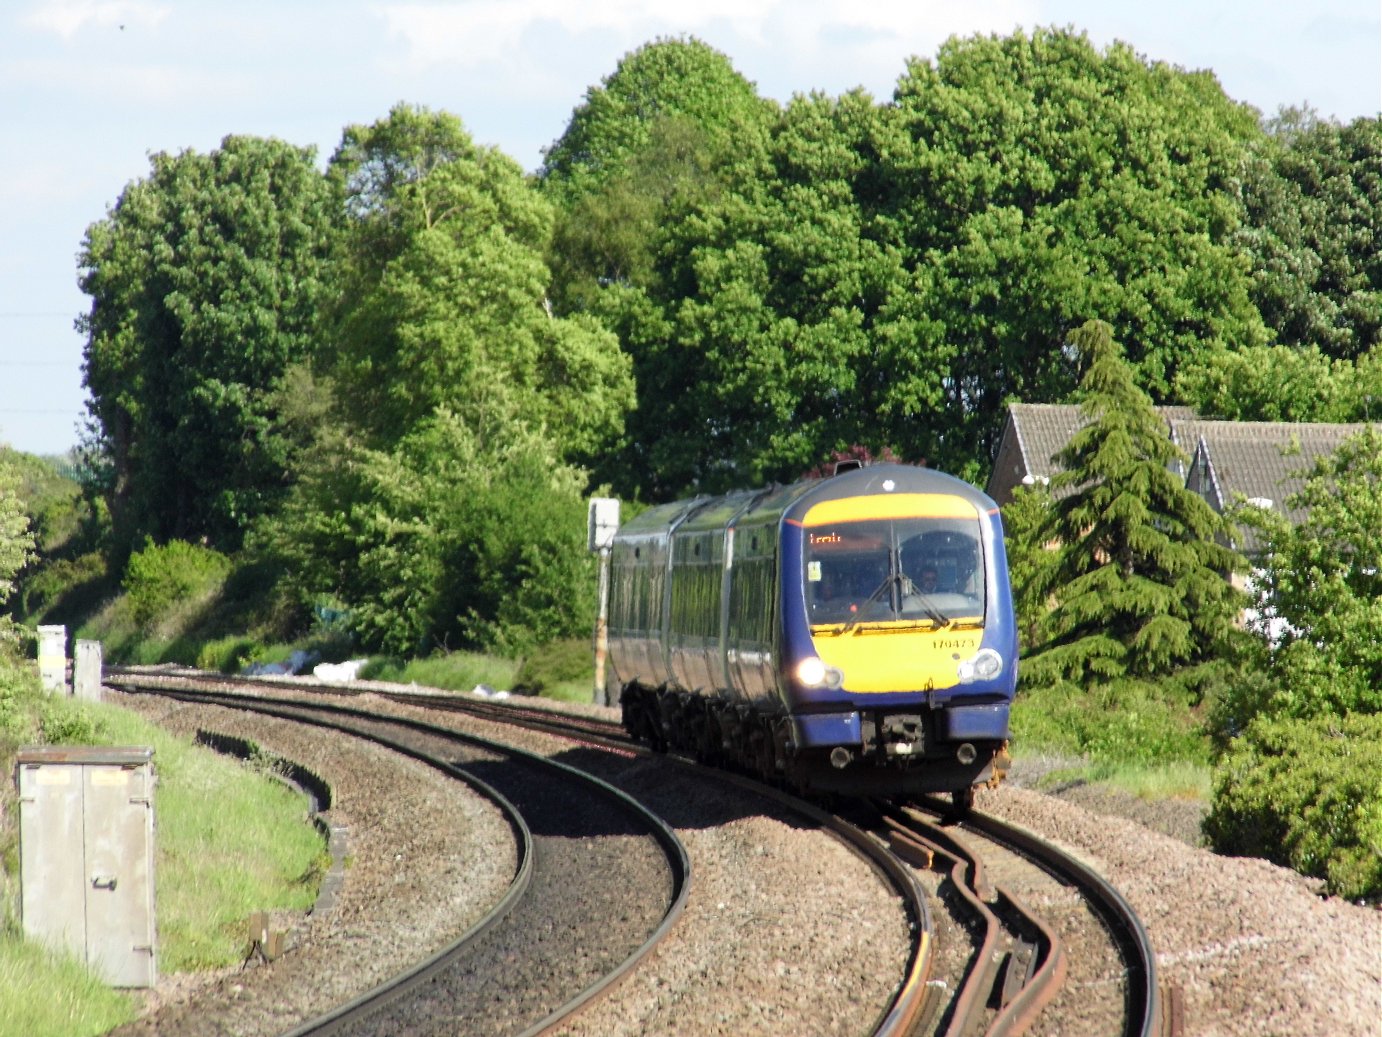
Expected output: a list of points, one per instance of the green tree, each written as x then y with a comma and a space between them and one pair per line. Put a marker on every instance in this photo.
608, 230
16, 538
457, 537
443, 293
1313, 200
1311, 192
661, 135
896, 274
205, 280
1044, 180
1320, 580
1140, 580
1026, 523
779, 327
667, 82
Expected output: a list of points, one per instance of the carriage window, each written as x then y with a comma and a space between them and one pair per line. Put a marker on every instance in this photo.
928, 570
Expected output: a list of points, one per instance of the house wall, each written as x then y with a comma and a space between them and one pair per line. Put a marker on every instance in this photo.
1009, 467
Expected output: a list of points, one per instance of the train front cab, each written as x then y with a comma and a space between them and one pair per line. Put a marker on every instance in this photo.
899, 645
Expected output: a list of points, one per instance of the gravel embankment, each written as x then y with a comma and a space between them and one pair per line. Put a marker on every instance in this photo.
783, 925
1254, 948
426, 859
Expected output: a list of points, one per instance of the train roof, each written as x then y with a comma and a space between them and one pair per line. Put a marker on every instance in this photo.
776, 502
888, 478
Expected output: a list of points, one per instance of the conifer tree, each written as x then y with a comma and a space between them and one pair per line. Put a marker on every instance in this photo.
1141, 577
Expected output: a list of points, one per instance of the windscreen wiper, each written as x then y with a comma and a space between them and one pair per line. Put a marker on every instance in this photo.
859, 615
929, 607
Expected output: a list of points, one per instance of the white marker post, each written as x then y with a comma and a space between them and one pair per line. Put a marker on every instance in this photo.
602, 524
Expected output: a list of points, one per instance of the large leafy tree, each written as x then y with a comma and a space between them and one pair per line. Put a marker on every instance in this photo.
767, 344
205, 280
659, 140
443, 293
437, 498
1312, 196
1140, 579
1284, 383
893, 275
622, 121
1045, 180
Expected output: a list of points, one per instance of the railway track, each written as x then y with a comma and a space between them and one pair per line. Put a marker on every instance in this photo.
1021, 967
1052, 947
895, 1018
1039, 943
585, 850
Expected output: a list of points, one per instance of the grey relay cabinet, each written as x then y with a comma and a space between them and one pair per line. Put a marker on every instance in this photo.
86, 856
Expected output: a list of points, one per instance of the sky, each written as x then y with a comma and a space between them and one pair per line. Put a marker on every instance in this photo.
90, 89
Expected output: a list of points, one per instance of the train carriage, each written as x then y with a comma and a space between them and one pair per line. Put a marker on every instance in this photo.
853, 634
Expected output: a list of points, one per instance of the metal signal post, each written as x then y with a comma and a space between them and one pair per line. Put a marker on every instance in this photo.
602, 524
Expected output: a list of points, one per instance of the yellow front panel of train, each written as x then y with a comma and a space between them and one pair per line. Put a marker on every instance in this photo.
884, 658
889, 506
881, 656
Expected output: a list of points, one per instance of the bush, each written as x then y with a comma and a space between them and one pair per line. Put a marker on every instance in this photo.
19, 689
1122, 722
1305, 794
164, 580
455, 539
227, 654
64, 588
557, 662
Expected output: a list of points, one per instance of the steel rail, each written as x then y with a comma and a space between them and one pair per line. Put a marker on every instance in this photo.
966, 872
1145, 1016
909, 999
340, 1018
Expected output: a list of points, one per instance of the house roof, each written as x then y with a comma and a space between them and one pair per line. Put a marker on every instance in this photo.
1262, 460
1039, 431
1259, 460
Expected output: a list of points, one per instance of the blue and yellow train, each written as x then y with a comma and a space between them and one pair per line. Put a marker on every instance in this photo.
852, 635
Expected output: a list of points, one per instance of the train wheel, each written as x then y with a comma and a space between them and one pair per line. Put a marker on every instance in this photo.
963, 799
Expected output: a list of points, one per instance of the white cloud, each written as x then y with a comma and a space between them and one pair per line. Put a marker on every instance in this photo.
66, 18
484, 31
106, 84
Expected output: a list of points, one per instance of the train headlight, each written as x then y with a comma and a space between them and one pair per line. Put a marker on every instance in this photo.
985, 666
813, 672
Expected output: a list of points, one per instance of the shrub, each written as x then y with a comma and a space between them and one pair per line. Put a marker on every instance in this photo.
455, 539
160, 580
19, 688
1120, 722
557, 662
1305, 794
64, 587
226, 654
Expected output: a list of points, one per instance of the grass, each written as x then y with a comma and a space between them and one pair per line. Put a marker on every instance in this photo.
231, 841
1180, 779
572, 691
454, 671
1120, 736
43, 994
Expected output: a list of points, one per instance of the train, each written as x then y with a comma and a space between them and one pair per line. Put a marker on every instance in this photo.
848, 635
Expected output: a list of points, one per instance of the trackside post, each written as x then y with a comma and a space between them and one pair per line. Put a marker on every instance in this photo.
602, 524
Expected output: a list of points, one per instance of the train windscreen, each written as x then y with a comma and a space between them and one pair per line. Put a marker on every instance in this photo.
926, 571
